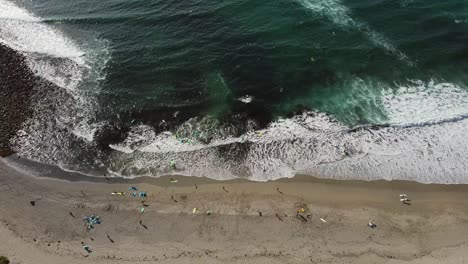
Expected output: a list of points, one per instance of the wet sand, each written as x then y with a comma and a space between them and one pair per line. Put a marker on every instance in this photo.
433, 229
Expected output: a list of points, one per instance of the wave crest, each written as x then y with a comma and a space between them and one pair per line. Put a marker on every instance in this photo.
425, 148
341, 16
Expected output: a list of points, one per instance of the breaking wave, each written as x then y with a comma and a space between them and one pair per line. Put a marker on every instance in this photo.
341, 15
422, 140
49, 53
361, 127
75, 66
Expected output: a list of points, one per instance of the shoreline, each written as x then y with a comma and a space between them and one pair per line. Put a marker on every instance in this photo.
54, 172
433, 229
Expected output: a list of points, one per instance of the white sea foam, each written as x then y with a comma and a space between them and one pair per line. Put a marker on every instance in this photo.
413, 102
74, 65
425, 103
341, 16
11, 11
425, 141
86, 131
247, 99
22, 30
417, 146
458, 21
49, 53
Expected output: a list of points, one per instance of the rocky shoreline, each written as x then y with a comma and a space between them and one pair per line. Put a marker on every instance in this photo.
20, 92
17, 84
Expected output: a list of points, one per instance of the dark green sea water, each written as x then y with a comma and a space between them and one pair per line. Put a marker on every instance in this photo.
214, 72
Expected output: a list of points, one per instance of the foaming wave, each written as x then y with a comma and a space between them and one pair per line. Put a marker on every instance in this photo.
65, 103
341, 16
425, 103
315, 144
11, 11
49, 53
143, 138
409, 103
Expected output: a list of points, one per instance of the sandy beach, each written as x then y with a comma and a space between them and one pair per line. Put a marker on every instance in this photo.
295, 115
433, 229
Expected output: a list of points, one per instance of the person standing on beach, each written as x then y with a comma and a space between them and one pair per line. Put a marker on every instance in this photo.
86, 247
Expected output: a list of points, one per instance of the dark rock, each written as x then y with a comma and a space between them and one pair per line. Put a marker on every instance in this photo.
17, 82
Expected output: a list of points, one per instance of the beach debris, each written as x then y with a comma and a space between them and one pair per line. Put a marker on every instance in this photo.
194, 211
33, 203
174, 180
72, 215
133, 188
260, 213
110, 239
142, 210
323, 220
196, 186
86, 247
142, 195
134, 194
118, 193
371, 224
208, 212
301, 210
224, 188
174, 200
92, 220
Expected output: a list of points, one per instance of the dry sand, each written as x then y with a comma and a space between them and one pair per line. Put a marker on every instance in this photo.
433, 229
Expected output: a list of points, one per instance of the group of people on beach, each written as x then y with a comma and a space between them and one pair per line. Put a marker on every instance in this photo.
94, 219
